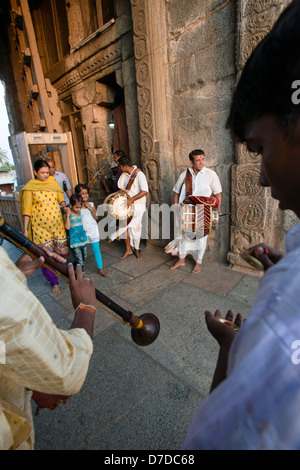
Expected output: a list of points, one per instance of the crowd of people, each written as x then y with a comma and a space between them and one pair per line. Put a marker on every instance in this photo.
254, 395
67, 222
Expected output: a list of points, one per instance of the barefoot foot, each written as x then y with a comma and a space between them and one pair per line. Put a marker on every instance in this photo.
180, 262
197, 268
55, 290
127, 253
102, 273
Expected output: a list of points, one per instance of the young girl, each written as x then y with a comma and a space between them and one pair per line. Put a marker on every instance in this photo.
89, 218
77, 236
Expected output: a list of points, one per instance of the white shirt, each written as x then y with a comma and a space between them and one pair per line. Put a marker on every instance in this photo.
258, 405
205, 183
60, 178
90, 225
139, 184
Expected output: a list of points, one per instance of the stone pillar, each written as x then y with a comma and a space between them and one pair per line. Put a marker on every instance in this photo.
152, 87
95, 119
254, 211
151, 63
76, 30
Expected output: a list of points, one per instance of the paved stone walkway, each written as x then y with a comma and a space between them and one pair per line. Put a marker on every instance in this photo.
141, 398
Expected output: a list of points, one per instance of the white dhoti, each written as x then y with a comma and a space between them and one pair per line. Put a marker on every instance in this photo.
183, 246
134, 227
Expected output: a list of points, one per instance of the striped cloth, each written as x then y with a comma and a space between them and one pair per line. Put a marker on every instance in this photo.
34, 355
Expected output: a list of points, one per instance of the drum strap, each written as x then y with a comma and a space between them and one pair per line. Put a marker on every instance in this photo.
132, 178
207, 201
188, 180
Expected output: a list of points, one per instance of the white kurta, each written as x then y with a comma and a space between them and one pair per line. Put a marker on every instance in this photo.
205, 183
135, 226
257, 406
38, 356
90, 225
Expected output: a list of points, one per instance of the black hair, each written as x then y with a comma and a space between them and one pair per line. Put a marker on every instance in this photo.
265, 85
40, 163
194, 153
74, 199
79, 187
125, 160
120, 153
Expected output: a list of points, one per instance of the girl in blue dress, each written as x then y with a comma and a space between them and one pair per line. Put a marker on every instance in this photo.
77, 235
89, 220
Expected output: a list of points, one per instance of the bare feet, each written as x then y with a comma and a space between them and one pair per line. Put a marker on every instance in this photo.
180, 262
127, 253
102, 273
55, 290
136, 252
197, 268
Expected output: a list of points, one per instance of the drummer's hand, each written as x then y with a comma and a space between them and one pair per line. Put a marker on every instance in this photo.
82, 288
129, 202
267, 255
223, 333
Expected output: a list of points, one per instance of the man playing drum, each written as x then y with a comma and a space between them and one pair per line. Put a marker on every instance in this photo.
134, 182
197, 180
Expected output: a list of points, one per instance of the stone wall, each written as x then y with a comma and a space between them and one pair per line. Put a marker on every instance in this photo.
82, 77
202, 76
255, 214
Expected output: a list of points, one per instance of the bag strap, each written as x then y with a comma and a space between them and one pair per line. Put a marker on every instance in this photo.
188, 181
132, 178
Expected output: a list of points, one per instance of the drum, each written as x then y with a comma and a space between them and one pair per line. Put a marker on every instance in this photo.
116, 206
198, 219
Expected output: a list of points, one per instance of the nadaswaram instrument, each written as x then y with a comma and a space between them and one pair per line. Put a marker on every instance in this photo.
227, 322
199, 215
254, 262
116, 206
145, 328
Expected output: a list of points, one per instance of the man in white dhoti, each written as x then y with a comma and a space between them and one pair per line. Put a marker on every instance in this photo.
195, 181
134, 182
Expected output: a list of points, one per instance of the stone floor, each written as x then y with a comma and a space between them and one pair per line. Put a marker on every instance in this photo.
141, 398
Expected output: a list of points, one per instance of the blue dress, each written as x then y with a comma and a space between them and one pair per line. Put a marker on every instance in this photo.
77, 240
77, 234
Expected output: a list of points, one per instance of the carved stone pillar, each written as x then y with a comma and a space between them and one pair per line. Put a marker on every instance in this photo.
149, 30
253, 209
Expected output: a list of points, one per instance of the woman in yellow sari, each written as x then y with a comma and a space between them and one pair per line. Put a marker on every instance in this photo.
42, 217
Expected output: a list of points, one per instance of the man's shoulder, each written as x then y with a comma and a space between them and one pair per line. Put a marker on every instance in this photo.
209, 170
183, 173
140, 172
59, 174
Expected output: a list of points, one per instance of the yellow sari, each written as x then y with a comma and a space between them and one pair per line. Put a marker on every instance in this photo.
40, 201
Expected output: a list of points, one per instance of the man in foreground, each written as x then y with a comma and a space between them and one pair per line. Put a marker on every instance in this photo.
255, 400
37, 356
